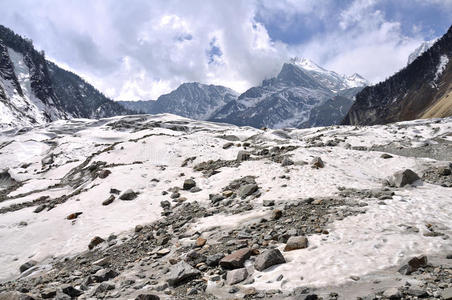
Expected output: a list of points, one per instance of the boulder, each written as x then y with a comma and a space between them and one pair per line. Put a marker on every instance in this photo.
48, 160
74, 215
287, 162
247, 190
104, 174
413, 265
296, 242
109, 200
228, 145
402, 178
104, 275
188, 184
200, 242
236, 276
181, 272
236, 259
128, 195
243, 156
317, 163
147, 297
70, 290
27, 265
268, 258
95, 241
40, 208
213, 260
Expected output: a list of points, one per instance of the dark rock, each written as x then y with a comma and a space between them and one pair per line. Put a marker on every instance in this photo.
128, 195
402, 178
247, 190
147, 297
243, 156
213, 260
236, 259
236, 276
115, 191
268, 258
386, 156
181, 272
109, 200
95, 241
104, 275
287, 162
268, 203
104, 287
188, 184
48, 293
296, 242
138, 228
228, 145
276, 214
317, 163
70, 290
74, 215
40, 208
104, 174
413, 265
27, 265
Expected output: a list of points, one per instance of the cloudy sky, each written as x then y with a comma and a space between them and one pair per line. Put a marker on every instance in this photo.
139, 49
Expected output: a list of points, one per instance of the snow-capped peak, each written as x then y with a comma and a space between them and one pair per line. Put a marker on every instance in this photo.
306, 64
356, 80
420, 50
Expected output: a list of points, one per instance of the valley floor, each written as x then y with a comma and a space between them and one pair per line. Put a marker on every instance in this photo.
169, 197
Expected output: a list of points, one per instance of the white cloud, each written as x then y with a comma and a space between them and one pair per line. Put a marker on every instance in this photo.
140, 49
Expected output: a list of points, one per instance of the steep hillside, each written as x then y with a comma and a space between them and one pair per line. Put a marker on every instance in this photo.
80, 99
34, 91
421, 89
302, 95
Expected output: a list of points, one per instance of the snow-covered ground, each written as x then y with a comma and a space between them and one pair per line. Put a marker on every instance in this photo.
136, 154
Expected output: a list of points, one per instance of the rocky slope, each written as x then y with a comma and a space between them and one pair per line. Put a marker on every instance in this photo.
191, 100
163, 207
34, 91
294, 98
422, 89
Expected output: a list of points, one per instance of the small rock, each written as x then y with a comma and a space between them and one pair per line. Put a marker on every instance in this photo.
236, 259
213, 260
236, 276
287, 162
276, 214
200, 242
74, 215
48, 160
109, 200
296, 242
138, 228
104, 275
48, 293
147, 297
128, 195
115, 191
386, 156
228, 145
317, 163
95, 241
268, 258
188, 184
267, 203
243, 156
104, 287
40, 208
181, 272
70, 290
27, 265
104, 174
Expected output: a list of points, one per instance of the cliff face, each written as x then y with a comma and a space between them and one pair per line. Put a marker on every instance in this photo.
422, 89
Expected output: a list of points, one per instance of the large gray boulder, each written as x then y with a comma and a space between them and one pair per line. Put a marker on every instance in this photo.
268, 258
236, 276
181, 272
402, 178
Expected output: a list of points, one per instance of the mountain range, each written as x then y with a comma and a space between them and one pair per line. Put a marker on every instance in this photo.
36, 91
